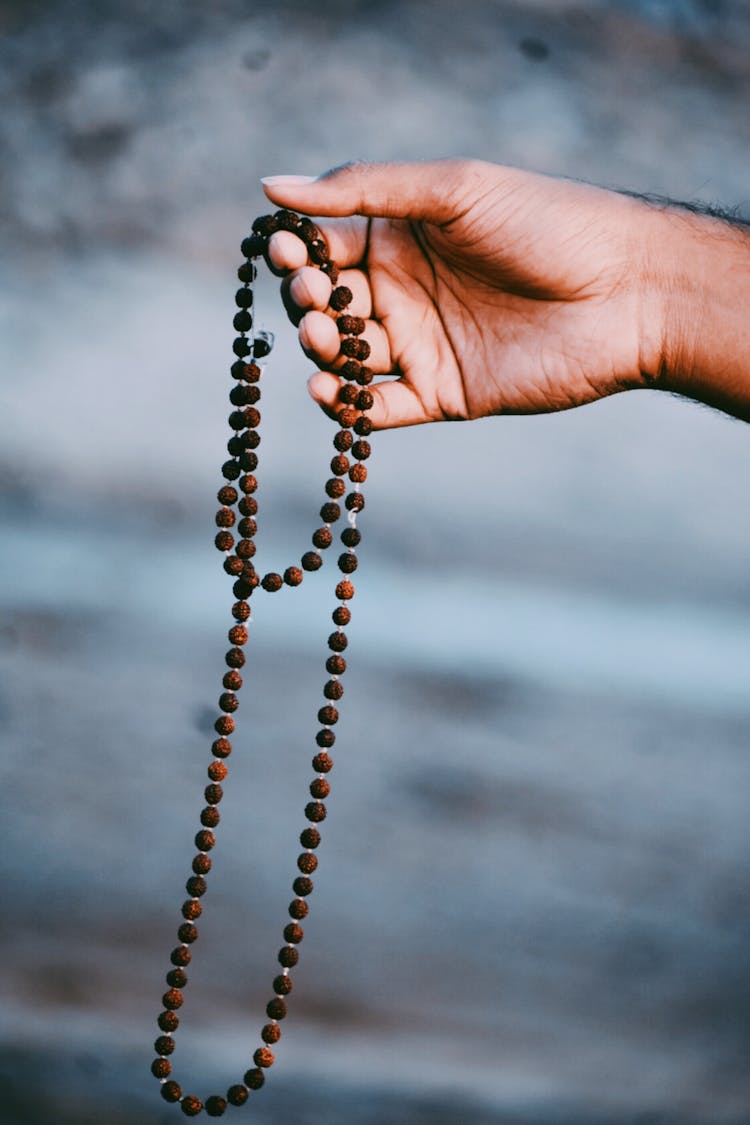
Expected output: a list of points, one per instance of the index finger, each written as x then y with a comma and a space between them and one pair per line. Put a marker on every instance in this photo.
346, 240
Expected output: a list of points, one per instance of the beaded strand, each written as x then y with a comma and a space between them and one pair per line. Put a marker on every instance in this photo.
237, 491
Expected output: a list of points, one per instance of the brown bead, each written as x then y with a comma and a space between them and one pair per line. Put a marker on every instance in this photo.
234, 445
348, 395
317, 251
237, 1095
247, 272
242, 394
180, 956
355, 347
224, 724
355, 502
344, 591
188, 933
248, 506
224, 541
216, 1106
286, 220
309, 838
191, 910
298, 908
168, 1021
288, 956
238, 635
339, 465
191, 1106
248, 483
293, 933
350, 369
210, 817
307, 863
242, 370
347, 562
228, 701
343, 440
254, 1078
340, 298
222, 747
328, 715
330, 512
293, 575
237, 420
282, 985
177, 978
363, 426
246, 549
302, 886
230, 470
365, 400
306, 230
315, 811
227, 494
172, 999
276, 1009
271, 1033
347, 417
357, 475
235, 658
164, 1045
201, 864
213, 794
265, 225
325, 737
336, 664
217, 771
251, 416
351, 537
272, 582
322, 538
321, 763
161, 1068
320, 788
233, 565
334, 689
225, 517
204, 841
337, 641
350, 325
361, 449
263, 1057
171, 1091
245, 585
335, 487
232, 680
196, 886
311, 560
247, 527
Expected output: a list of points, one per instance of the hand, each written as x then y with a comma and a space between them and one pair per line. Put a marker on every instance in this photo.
489, 290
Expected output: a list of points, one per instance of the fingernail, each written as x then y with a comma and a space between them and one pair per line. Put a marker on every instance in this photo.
281, 181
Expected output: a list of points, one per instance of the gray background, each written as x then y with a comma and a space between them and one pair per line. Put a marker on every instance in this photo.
532, 902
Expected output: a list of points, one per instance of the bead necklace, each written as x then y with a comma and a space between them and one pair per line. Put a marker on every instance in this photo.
240, 485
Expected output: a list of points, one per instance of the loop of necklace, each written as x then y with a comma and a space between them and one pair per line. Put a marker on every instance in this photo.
238, 490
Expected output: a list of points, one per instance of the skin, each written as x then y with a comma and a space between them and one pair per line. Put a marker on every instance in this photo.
488, 290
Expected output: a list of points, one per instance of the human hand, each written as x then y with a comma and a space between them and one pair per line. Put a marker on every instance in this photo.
486, 290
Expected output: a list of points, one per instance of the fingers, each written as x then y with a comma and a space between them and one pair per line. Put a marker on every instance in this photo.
346, 240
395, 402
321, 342
428, 191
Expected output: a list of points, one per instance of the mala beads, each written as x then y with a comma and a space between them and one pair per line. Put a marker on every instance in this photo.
238, 492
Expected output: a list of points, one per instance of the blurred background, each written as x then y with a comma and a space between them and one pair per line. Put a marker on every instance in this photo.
532, 901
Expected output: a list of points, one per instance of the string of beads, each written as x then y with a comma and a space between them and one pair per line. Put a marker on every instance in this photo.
238, 492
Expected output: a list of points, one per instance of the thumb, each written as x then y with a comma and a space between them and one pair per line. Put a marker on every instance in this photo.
433, 190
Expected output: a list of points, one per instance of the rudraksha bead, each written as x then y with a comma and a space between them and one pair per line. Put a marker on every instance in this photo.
265, 225
311, 560
302, 886
244, 586
336, 664
247, 527
238, 635
188, 932
210, 817
331, 269
224, 540
271, 1033
298, 908
354, 502
248, 505
351, 537
247, 272
201, 864
286, 220
246, 549
196, 886
222, 747
191, 910
307, 862
352, 347
172, 999
282, 985
333, 689
242, 394
350, 325
171, 1091
347, 562
227, 494
306, 230
191, 1106
328, 715
325, 737
322, 538
233, 565
319, 788
241, 346
253, 245
237, 1095
204, 842
346, 417
216, 1106
348, 394
340, 298
254, 1078
361, 449
243, 298
343, 440
235, 658
224, 724
317, 251
357, 474
168, 1021
180, 956
344, 591
330, 512
272, 581
177, 978
213, 793
293, 575
288, 956
293, 933
230, 470
276, 1009
160, 1068
337, 641
339, 465
315, 811
336, 487
263, 1057
164, 1045
217, 771
363, 426
248, 483
228, 701
243, 320
234, 445
321, 763
232, 680
250, 440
